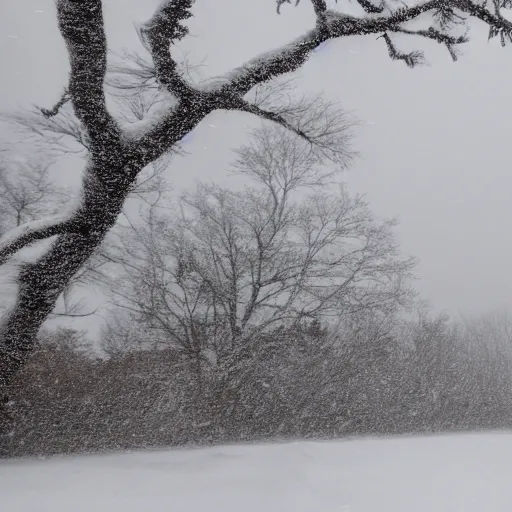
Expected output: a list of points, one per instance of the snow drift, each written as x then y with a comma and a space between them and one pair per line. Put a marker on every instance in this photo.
466, 473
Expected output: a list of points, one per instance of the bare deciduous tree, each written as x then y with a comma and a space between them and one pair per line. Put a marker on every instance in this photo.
27, 192
116, 155
230, 266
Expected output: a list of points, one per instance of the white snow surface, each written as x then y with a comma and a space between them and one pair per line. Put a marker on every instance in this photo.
463, 473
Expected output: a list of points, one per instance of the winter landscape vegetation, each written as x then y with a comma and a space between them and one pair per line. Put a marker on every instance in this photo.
198, 268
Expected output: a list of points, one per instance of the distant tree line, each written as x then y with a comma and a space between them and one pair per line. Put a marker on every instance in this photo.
372, 376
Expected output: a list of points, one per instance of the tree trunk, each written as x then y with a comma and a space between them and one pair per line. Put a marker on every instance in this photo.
41, 283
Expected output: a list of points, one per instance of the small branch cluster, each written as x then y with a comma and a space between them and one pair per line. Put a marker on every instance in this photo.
446, 14
412, 59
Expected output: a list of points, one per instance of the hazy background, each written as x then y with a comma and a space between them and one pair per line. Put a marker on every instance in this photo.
434, 141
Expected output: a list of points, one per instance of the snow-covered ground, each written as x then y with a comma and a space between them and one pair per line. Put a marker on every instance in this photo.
466, 473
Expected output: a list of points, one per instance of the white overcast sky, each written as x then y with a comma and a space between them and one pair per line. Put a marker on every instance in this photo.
434, 141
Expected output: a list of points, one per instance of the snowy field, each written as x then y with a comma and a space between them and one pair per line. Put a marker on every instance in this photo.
466, 473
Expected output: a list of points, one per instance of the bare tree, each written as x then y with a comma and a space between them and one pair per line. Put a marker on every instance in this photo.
116, 155
231, 266
27, 191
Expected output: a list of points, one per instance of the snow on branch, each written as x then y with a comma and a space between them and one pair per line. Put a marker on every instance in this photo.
292, 56
334, 24
26, 234
81, 25
158, 34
